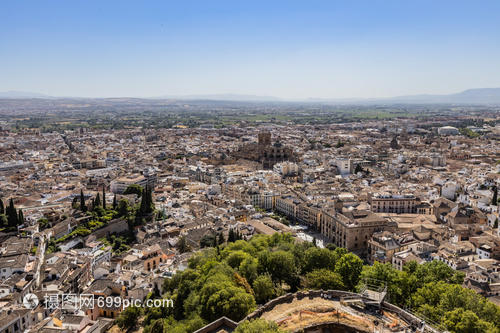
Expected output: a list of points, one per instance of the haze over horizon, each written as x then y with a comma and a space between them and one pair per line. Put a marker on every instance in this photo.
286, 49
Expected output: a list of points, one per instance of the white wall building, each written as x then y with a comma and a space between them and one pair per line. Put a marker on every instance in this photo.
448, 130
345, 166
449, 190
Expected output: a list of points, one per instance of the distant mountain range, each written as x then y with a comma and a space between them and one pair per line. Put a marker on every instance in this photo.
470, 96
226, 97
23, 94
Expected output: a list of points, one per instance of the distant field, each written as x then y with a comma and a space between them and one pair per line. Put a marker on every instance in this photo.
54, 115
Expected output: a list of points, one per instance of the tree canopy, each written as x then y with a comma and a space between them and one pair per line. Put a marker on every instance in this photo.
134, 189
232, 278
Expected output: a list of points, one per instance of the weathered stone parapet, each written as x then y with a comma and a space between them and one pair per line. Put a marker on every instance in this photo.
329, 294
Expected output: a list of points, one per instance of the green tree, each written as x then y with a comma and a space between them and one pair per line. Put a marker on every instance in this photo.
280, 265
437, 270
2, 208
258, 326
147, 205
4, 221
149, 202
317, 258
358, 168
74, 203
134, 189
117, 244
83, 207
236, 258
249, 269
494, 200
123, 207
104, 197
263, 289
115, 205
21, 216
43, 222
99, 211
12, 215
465, 321
231, 238
52, 247
151, 314
142, 206
97, 201
325, 279
156, 326
221, 239
129, 317
331, 247
183, 245
397, 282
349, 267
207, 241
230, 301
468, 132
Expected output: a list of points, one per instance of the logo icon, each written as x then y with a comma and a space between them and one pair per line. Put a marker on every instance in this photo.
30, 301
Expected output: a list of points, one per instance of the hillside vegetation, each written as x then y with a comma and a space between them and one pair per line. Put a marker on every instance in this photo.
231, 279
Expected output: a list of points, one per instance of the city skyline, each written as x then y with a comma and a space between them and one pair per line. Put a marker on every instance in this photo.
291, 50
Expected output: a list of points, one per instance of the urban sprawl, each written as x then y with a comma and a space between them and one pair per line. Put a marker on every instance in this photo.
287, 224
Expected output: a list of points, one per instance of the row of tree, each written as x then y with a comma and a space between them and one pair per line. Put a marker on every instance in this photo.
145, 194
96, 201
101, 213
10, 217
233, 236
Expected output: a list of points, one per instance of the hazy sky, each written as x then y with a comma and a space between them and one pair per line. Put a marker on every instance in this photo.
289, 49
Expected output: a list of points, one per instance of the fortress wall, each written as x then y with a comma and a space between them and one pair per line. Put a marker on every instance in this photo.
299, 295
336, 294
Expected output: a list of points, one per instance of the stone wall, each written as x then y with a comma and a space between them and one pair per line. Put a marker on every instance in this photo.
299, 295
336, 294
118, 226
332, 327
402, 313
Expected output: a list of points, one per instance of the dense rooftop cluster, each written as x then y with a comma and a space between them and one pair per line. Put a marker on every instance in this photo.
149, 212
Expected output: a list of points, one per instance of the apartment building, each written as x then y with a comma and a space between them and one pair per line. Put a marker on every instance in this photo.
120, 184
288, 206
382, 246
269, 200
309, 214
399, 204
353, 228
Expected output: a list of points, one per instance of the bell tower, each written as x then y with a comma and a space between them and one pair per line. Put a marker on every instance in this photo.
265, 139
